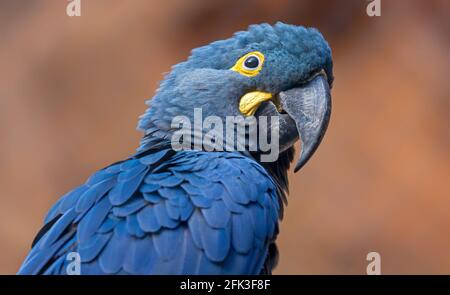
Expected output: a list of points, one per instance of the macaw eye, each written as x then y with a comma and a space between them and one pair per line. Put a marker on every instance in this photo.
250, 64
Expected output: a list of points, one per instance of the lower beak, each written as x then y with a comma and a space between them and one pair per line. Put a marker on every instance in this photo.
310, 107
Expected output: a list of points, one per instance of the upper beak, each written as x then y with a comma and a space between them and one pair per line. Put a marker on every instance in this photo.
310, 108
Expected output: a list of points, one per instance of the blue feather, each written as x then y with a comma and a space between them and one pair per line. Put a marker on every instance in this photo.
37, 259
99, 176
153, 158
231, 204
162, 217
217, 215
93, 219
170, 181
147, 219
186, 211
153, 197
129, 164
190, 255
111, 258
140, 257
156, 176
194, 225
259, 220
56, 267
57, 229
149, 187
69, 200
167, 242
108, 224
87, 199
200, 201
191, 189
127, 186
171, 193
113, 169
238, 263
193, 179
91, 268
242, 232
215, 242
131, 173
182, 201
235, 190
133, 226
173, 211
206, 266
133, 205
88, 251
213, 191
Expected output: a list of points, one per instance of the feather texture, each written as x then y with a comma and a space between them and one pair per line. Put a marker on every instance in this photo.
141, 217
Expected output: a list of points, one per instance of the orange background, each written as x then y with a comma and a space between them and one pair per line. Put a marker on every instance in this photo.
71, 90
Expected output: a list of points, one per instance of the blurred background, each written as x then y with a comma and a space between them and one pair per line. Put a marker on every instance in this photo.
72, 88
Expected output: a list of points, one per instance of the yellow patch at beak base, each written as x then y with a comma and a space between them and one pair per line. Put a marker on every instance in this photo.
250, 102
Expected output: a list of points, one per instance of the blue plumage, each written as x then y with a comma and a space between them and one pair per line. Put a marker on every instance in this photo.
164, 211
116, 236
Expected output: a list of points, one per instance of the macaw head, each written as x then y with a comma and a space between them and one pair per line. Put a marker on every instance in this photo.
281, 71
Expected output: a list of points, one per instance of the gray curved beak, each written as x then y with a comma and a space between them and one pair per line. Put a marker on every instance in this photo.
310, 107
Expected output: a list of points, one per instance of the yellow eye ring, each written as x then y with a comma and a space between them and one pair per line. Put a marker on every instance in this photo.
250, 64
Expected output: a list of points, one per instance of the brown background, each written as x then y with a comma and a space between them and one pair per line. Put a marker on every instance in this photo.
71, 90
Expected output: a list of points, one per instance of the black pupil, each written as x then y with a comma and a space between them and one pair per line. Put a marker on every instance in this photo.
252, 62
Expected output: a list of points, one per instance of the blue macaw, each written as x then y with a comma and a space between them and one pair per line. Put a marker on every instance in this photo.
194, 211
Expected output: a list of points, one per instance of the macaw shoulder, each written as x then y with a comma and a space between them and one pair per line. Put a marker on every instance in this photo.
197, 175
224, 205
